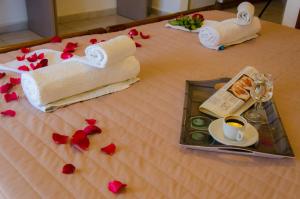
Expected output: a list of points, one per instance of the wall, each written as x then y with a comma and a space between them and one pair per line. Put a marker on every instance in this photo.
70, 7
170, 5
12, 12
201, 3
291, 13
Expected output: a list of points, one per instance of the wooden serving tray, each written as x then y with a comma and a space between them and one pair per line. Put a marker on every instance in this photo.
273, 141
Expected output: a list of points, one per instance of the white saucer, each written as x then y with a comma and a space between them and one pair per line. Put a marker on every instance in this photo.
216, 131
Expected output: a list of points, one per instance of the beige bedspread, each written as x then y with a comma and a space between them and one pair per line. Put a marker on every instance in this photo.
144, 122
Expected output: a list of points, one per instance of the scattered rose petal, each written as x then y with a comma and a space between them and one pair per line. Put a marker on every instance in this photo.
32, 58
91, 121
80, 140
60, 139
116, 186
23, 68
93, 41
10, 97
32, 66
66, 55
42, 63
133, 32
20, 58
5, 88
55, 39
15, 81
92, 129
41, 56
109, 149
25, 50
9, 113
138, 45
2, 75
144, 36
70, 47
103, 40
197, 16
68, 169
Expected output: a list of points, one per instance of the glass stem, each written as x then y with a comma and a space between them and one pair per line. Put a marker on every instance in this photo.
258, 106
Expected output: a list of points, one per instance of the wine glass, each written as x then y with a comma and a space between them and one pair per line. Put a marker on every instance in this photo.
261, 91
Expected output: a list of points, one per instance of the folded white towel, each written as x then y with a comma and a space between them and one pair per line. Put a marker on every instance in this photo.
112, 88
68, 79
245, 13
109, 52
228, 33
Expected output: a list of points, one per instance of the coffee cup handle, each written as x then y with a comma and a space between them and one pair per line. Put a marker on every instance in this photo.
239, 136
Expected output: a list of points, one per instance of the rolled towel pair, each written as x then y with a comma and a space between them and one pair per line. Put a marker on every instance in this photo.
110, 52
68, 82
226, 33
245, 13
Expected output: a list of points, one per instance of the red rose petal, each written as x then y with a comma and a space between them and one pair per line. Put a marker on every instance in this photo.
23, 68
10, 97
69, 50
20, 58
68, 169
133, 32
15, 81
25, 50
55, 39
92, 129
80, 140
144, 36
197, 16
5, 88
109, 149
32, 66
93, 41
60, 139
9, 113
41, 56
138, 45
71, 45
103, 40
66, 55
32, 58
42, 63
116, 186
2, 75
91, 121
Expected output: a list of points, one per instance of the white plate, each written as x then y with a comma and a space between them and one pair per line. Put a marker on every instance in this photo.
216, 131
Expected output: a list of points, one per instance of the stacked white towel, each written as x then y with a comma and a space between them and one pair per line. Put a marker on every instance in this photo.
245, 13
110, 52
66, 82
68, 79
228, 33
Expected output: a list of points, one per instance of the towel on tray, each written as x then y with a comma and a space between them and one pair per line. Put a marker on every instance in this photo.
245, 13
68, 82
227, 32
109, 52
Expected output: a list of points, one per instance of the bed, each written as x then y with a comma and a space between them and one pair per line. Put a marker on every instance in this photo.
144, 122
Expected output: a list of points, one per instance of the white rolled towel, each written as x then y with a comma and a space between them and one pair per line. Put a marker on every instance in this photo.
245, 13
227, 32
67, 79
109, 52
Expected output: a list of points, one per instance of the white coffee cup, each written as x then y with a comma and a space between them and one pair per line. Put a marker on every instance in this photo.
234, 127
